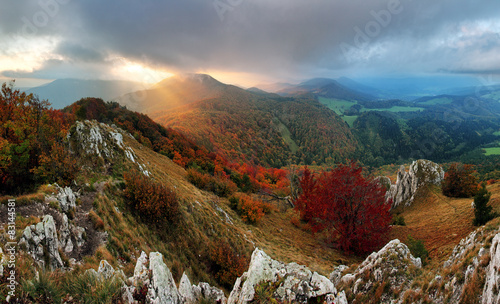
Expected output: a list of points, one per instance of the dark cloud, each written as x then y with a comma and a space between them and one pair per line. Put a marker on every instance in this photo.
281, 38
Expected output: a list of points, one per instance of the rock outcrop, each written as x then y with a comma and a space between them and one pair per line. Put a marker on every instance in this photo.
289, 282
421, 173
42, 244
91, 138
153, 275
393, 266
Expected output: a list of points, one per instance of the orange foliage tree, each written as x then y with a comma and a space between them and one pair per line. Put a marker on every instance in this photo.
349, 205
459, 181
29, 130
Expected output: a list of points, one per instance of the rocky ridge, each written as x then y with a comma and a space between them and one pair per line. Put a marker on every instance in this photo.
99, 141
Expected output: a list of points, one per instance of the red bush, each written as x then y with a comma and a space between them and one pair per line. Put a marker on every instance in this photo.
226, 264
151, 199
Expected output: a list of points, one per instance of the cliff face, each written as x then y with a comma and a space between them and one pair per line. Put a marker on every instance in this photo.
421, 173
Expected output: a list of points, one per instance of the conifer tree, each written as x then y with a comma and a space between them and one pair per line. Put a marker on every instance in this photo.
483, 212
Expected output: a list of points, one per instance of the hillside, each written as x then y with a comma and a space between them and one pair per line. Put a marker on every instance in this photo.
263, 129
325, 87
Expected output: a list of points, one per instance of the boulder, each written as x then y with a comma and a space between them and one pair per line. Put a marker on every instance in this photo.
421, 173
295, 283
41, 238
106, 270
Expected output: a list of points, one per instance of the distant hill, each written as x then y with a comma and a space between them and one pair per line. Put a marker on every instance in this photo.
325, 87
172, 92
63, 92
359, 87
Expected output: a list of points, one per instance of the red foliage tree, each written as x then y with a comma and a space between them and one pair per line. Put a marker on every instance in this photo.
351, 206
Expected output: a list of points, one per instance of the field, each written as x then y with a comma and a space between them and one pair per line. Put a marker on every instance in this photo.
350, 120
437, 101
337, 105
492, 151
395, 109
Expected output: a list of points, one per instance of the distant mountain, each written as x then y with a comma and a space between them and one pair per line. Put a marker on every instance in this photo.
274, 87
409, 88
325, 87
173, 92
359, 87
63, 92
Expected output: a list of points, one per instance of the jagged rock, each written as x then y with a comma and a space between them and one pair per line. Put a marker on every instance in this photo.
106, 270
336, 274
66, 198
40, 238
393, 265
492, 285
296, 282
65, 242
422, 172
186, 290
163, 288
462, 248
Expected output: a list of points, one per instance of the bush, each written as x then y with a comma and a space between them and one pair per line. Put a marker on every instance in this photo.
459, 181
151, 199
218, 185
225, 263
417, 248
250, 210
398, 220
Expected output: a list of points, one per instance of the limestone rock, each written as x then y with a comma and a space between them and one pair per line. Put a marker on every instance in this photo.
296, 283
40, 238
66, 198
106, 270
393, 265
186, 290
163, 286
65, 242
422, 172
492, 285
105, 142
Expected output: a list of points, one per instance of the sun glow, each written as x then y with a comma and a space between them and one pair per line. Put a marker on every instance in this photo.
134, 71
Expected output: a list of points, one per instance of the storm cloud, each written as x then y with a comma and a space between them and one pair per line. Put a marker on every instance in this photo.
283, 39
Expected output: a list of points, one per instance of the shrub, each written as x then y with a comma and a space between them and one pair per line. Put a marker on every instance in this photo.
459, 181
218, 185
417, 248
42, 289
250, 210
225, 263
151, 199
398, 220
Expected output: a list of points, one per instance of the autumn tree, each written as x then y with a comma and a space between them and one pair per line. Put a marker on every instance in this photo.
28, 130
483, 213
350, 206
459, 181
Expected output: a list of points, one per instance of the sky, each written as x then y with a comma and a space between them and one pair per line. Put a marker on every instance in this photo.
247, 42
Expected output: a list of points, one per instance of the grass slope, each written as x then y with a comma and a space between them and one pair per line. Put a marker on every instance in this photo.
441, 222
